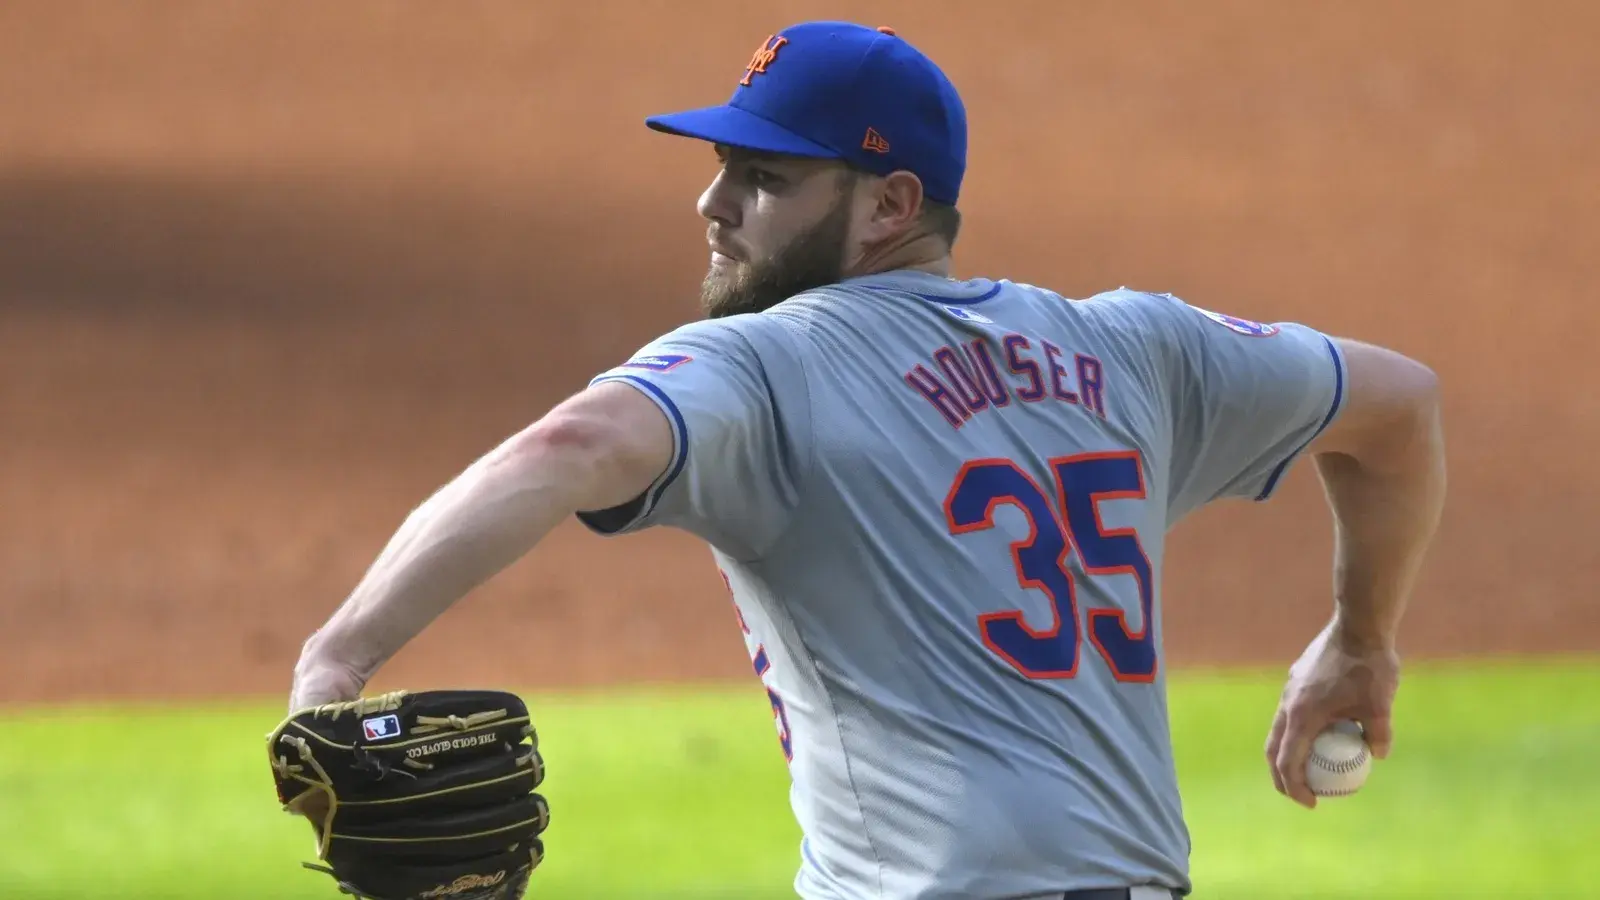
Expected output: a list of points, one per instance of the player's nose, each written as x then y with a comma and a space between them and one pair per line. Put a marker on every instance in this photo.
716, 203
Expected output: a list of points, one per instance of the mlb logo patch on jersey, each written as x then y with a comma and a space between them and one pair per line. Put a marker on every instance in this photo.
659, 362
381, 727
1243, 326
967, 315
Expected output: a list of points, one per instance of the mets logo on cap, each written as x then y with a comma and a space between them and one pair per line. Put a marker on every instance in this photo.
763, 57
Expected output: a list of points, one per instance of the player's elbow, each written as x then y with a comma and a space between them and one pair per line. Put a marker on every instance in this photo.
565, 434
1393, 411
1417, 384
603, 447
567, 446
1418, 431
1411, 393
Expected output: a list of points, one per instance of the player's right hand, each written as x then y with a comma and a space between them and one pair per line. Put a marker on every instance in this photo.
317, 682
1336, 678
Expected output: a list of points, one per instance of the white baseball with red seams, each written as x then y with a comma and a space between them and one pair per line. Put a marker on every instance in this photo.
1340, 760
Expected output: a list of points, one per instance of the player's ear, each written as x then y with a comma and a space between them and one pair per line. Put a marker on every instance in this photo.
899, 203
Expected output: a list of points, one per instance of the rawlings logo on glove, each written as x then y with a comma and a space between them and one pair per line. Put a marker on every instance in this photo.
466, 883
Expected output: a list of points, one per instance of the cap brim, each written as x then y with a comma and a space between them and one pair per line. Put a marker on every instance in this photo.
737, 128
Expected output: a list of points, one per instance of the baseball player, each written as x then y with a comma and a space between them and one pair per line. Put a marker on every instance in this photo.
940, 504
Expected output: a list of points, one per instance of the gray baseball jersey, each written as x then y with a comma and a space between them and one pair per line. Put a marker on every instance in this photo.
940, 507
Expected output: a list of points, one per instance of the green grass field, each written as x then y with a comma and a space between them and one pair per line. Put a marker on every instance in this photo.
1492, 791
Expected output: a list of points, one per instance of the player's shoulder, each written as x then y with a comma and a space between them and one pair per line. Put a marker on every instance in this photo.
1127, 318
1167, 313
683, 345
1134, 304
746, 339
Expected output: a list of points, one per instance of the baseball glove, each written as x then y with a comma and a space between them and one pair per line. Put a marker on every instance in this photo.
416, 796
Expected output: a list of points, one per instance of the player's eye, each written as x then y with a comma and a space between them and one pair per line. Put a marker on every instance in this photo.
761, 178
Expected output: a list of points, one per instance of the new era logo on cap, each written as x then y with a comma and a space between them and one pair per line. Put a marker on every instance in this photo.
381, 727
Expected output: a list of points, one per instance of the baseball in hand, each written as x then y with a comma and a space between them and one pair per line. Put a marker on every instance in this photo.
1340, 760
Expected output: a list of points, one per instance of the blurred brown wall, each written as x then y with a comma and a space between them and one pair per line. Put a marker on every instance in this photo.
271, 272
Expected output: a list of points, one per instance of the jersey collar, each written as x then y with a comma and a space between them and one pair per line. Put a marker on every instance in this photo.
930, 287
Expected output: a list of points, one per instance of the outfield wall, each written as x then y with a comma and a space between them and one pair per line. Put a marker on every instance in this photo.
270, 273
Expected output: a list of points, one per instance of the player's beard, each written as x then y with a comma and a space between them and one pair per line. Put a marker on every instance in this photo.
813, 259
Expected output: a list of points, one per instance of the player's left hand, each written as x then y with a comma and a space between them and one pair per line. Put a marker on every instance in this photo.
1337, 677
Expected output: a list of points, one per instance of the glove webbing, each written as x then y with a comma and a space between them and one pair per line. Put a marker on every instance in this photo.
391, 701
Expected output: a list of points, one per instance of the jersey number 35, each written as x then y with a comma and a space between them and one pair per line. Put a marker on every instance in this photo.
1057, 525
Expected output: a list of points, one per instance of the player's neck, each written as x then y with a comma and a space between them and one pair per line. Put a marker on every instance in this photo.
925, 253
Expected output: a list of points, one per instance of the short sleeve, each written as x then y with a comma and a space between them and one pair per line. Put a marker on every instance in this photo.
1245, 398
734, 396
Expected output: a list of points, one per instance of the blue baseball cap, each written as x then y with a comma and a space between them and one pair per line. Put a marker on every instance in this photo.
836, 90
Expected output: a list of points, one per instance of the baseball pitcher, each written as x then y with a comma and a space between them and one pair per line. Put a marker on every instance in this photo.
940, 504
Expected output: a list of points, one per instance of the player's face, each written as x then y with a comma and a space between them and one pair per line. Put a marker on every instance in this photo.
778, 226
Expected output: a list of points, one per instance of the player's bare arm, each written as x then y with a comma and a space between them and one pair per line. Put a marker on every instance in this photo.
601, 448
1383, 470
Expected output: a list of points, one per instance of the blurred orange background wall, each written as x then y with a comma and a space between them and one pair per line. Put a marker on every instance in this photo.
270, 273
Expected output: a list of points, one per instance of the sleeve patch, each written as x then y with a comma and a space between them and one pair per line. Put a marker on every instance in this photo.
657, 362
1242, 326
